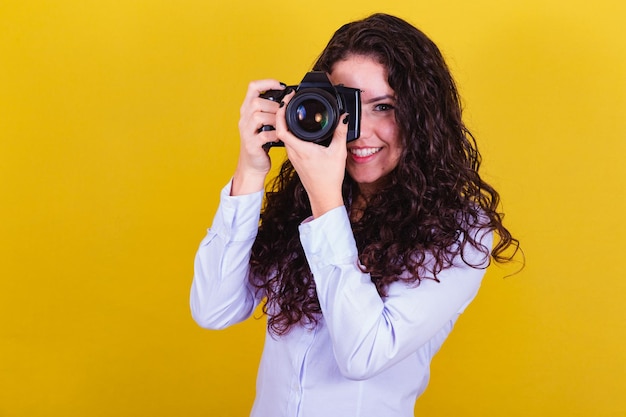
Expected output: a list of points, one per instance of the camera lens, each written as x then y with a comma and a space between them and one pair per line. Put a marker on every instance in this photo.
312, 115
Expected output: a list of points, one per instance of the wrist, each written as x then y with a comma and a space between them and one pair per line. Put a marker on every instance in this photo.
245, 182
323, 206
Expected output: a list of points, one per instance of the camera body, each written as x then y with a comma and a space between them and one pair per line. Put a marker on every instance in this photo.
314, 111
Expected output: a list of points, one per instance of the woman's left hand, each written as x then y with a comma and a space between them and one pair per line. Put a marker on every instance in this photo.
321, 169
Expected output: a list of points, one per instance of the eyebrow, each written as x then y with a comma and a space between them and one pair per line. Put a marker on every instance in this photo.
379, 98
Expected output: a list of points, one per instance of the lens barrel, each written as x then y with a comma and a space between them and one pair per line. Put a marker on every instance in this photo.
312, 115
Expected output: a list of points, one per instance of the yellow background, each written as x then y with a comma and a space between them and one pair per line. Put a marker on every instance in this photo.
118, 127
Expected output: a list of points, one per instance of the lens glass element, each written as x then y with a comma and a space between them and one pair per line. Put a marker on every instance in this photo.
312, 115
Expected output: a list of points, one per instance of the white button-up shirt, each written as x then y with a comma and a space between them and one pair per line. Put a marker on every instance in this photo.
368, 356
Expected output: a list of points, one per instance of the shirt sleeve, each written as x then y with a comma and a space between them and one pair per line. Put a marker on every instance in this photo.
370, 333
220, 292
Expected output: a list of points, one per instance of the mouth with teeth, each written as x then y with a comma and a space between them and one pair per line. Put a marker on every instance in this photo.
363, 152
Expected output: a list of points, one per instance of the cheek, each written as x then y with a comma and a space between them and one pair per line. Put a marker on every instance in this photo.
389, 133
387, 130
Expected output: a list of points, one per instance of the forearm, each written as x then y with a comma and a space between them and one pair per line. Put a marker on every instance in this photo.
370, 333
220, 295
220, 292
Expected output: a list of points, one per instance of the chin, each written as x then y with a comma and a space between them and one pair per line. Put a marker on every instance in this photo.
368, 184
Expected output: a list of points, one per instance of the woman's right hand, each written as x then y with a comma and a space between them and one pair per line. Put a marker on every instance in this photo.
254, 161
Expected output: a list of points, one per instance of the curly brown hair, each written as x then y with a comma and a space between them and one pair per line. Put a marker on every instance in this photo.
433, 202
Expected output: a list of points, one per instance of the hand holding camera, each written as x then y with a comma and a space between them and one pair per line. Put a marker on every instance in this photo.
254, 162
310, 117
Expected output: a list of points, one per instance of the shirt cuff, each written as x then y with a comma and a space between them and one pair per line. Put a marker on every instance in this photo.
328, 239
237, 217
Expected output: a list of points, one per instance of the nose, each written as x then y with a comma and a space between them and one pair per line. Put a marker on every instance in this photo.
366, 126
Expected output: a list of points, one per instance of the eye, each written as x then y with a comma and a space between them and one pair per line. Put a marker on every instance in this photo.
383, 107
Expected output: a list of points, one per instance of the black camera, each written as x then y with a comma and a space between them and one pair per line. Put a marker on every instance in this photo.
314, 111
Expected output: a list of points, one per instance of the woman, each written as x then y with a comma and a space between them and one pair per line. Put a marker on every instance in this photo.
367, 251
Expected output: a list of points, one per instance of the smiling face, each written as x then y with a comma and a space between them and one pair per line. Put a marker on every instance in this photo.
377, 151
